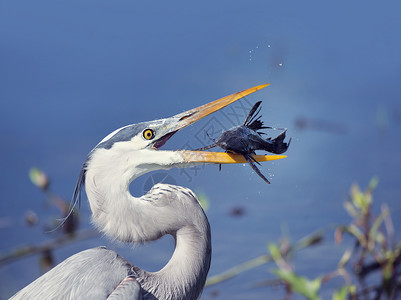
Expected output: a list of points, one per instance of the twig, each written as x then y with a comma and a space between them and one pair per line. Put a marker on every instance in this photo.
48, 245
261, 260
234, 271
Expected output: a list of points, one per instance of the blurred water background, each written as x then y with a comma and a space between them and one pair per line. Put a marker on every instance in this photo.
73, 71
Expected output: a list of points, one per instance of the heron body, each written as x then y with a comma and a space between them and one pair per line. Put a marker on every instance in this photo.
95, 273
111, 166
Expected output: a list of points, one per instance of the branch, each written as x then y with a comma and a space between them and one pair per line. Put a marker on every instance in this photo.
261, 260
26, 251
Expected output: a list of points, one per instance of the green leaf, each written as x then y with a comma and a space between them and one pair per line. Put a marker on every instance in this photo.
310, 240
38, 178
374, 230
343, 293
350, 209
361, 200
301, 285
345, 258
356, 232
275, 252
373, 183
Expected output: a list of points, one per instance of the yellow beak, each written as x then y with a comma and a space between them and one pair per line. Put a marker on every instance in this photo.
222, 157
193, 115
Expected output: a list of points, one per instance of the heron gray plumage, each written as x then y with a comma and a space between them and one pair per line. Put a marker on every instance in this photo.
111, 166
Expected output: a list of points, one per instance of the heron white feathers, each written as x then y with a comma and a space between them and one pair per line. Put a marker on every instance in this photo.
114, 210
108, 175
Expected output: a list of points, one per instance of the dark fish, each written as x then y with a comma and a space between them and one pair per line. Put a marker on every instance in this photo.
245, 139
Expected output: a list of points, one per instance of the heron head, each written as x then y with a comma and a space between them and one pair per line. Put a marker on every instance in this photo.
147, 137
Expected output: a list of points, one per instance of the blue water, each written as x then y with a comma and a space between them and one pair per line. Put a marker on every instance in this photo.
72, 72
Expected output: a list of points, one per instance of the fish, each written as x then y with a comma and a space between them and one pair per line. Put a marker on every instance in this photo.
247, 138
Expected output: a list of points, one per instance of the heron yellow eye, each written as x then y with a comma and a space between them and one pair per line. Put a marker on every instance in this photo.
148, 134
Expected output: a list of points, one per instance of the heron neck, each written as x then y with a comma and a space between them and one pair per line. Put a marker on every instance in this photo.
115, 212
185, 274
123, 217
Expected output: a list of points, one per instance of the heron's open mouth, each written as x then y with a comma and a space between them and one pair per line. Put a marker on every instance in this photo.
160, 142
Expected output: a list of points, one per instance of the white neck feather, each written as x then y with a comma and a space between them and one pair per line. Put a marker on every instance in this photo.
185, 274
163, 210
114, 210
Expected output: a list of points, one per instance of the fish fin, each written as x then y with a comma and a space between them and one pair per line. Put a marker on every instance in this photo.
280, 138
254, 160
254, 122
251, 113
255, 117
255, 168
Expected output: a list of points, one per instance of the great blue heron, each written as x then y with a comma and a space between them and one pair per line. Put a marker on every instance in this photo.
111, 166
